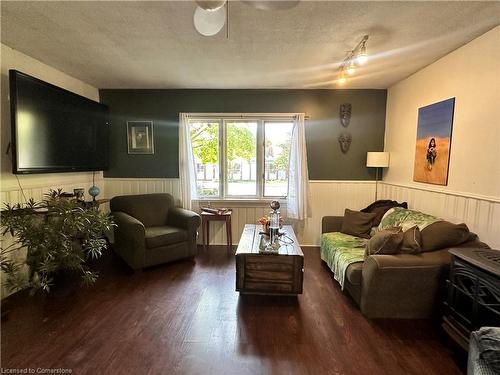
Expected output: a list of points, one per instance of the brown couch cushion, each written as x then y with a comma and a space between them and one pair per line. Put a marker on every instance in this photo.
353, 273
443, 234
386, 241
412, 241
357, 223
164, 236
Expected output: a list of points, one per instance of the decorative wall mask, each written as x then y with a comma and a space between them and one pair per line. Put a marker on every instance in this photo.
345, 140
345, 114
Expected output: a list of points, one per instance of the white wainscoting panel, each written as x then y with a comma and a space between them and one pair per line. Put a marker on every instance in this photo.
481, 214
331, 198
12, 194
130, 186
328, 198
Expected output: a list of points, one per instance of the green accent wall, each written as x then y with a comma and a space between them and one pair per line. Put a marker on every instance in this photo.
325, 159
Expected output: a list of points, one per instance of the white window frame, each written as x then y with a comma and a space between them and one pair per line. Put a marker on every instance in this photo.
222, 119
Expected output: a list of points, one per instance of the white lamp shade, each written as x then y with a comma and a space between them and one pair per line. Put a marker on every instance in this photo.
209, 22
377, 159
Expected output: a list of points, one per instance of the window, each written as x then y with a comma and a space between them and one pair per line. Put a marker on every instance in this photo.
241, 156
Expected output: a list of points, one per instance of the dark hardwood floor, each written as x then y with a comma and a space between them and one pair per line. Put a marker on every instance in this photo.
186, 318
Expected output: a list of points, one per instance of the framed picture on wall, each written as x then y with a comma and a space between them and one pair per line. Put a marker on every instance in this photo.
432, 153
140, 137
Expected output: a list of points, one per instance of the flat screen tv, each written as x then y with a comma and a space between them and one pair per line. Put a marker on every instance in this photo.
55, 130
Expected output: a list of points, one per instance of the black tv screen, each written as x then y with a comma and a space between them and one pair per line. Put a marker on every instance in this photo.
55, 130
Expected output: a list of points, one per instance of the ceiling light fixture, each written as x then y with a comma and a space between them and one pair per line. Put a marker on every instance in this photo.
357, 56
362, 56
210, 5
351, 69
342, 79
209, 22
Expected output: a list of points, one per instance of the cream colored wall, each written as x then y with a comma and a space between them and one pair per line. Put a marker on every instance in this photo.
34, 186
12, 59
471, 74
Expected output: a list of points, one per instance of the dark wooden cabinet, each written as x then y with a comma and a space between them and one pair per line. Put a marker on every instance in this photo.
473, 298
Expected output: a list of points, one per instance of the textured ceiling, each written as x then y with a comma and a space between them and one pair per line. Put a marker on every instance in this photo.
154, 44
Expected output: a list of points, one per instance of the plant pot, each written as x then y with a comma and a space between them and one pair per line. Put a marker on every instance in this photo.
64, 283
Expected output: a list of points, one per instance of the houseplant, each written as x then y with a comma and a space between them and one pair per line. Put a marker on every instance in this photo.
58, 235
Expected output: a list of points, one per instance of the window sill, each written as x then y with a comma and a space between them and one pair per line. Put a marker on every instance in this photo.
219, 202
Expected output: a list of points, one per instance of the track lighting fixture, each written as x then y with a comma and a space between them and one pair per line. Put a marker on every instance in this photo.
351, 69
342, 79
362, 57
357, 56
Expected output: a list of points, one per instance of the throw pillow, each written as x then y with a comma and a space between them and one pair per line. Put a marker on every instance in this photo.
386, 241
443, 234
357, 223
412, 241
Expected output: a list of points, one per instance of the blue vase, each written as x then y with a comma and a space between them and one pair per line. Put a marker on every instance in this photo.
94, 192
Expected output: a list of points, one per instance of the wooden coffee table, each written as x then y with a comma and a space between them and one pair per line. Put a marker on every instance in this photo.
261, 273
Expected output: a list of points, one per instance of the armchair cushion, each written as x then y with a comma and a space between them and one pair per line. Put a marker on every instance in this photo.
164, 236
150, 209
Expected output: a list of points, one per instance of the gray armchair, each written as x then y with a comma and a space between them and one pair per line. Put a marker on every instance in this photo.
150, 230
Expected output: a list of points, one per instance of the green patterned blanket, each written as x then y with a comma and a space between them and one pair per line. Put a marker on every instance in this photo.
339, 250
406, 219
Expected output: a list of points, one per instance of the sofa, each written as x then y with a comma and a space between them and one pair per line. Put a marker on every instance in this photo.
399, 285
150, 230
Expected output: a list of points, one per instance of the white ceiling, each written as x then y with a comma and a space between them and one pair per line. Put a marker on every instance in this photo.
136, 44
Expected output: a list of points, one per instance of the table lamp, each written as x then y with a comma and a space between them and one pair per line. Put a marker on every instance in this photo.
377, 160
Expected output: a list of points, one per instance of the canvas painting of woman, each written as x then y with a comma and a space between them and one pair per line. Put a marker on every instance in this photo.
432, 153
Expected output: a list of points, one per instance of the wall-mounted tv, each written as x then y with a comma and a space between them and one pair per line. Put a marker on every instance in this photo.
55, 130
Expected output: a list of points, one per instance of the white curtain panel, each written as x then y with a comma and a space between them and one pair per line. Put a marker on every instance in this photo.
298, 199
187, 175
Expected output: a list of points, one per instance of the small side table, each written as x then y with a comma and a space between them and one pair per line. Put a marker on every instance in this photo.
206, 218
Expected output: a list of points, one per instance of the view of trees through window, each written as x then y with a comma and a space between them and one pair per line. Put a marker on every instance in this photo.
277, 152
241, 158
205, 145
